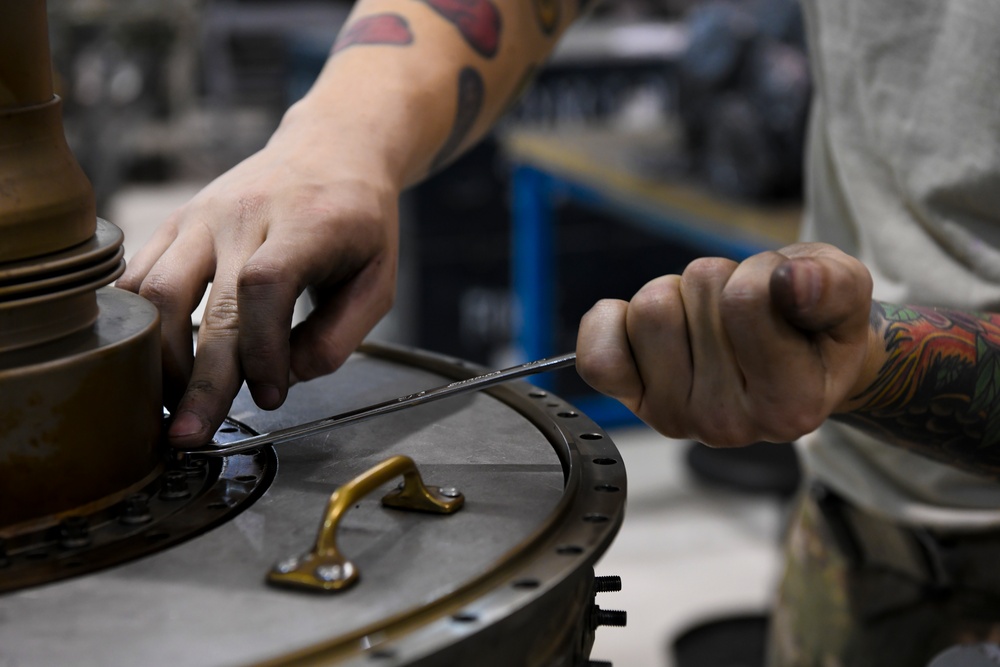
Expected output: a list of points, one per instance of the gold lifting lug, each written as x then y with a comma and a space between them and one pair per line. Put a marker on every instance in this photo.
324, 567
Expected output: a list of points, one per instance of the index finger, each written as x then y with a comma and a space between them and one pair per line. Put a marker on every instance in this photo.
216, 376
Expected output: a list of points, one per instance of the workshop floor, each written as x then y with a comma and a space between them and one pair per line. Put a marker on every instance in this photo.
686, 552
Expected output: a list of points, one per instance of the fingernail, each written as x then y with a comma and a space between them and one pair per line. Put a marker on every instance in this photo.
186, 424
806, 283
268, 396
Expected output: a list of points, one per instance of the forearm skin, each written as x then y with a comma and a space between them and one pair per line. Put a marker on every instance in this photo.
937, 386
416, 82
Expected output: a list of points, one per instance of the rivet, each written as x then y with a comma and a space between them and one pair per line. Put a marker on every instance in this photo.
136, 510
175, 485
74, 532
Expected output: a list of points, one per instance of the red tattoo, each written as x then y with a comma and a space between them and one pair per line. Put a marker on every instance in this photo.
471, 91
938, 392
477, 20
375, 29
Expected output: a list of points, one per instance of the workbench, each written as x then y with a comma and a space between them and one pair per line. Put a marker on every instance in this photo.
621, 174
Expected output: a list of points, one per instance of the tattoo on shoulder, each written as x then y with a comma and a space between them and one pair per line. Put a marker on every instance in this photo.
938, 392
478, 21
375, 29
471, 91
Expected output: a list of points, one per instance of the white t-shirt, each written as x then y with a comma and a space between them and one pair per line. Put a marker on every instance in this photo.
903, 172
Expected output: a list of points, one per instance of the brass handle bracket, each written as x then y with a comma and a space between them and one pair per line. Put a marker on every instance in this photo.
324, 567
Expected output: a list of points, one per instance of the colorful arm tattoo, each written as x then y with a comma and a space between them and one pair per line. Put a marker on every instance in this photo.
375, 29
470, 100
478, 21
938, 392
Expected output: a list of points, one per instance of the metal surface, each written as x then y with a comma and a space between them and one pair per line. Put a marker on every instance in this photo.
80, 416
80, 404
325, 567
48, 205
47, 299
544, 491
176, 504
465, 385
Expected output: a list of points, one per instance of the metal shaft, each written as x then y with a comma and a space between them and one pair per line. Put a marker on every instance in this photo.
392, 405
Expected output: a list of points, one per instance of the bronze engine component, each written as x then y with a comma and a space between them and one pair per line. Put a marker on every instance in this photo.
80, 403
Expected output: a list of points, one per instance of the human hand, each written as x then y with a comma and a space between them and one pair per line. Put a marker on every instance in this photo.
730, 354
312, 209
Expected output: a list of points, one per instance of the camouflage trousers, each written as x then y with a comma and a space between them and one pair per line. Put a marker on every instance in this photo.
859, 591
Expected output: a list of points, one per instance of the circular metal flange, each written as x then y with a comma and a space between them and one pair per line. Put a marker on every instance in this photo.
50, 297
506, 581
80, 416
186, 498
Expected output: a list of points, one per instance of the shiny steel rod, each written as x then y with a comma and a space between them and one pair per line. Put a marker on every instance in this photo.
393, 405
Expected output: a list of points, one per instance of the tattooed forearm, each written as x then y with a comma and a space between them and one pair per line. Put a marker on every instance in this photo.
470, 100
547, 13
375, 29
478, 21
938, 391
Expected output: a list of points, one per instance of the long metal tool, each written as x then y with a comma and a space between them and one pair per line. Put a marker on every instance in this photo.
393, 405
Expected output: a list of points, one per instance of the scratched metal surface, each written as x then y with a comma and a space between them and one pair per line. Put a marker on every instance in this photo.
205, 602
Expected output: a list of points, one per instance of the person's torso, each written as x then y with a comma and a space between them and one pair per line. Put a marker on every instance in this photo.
903, 172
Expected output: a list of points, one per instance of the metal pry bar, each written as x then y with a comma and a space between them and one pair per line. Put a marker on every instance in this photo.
410, 400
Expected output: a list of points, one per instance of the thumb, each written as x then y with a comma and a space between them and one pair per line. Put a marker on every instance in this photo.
826, 292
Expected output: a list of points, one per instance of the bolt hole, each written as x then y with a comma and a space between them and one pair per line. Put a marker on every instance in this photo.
538, 394
228, 429
247, 478
595, 518
591, 436
569, 550
605, 462
526, 584
382, 654
567, 415
606, 488
465, 617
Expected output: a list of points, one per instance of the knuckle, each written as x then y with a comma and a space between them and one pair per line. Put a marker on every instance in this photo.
742, 298
202, 387
708, 269
251, 205
159, 289
221, 314
129, 282
258, 274
654, 299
